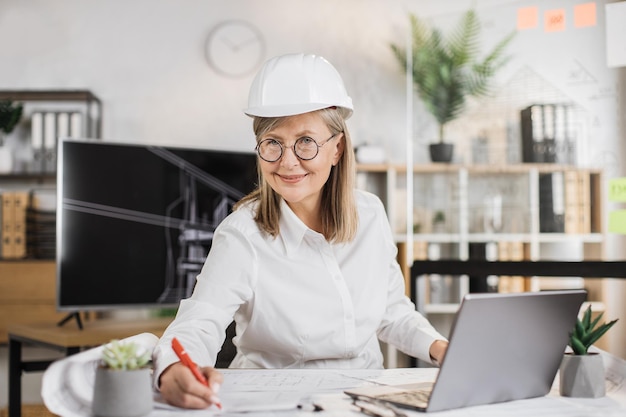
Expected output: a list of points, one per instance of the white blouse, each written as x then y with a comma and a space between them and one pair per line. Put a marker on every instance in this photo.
298, 300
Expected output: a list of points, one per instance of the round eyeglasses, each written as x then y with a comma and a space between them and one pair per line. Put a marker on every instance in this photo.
305, 148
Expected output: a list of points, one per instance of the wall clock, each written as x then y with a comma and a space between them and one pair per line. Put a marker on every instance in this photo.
235, 48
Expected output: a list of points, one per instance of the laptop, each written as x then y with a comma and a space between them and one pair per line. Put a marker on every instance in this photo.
503, 347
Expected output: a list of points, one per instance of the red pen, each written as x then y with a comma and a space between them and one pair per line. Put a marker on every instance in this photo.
186, 360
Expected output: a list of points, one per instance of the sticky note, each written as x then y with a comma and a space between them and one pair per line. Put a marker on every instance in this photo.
585, 15
617, 189
617, 221
527, 17
554, 20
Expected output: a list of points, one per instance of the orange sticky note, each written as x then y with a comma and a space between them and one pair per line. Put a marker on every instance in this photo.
585, 15
527, 17
554, 20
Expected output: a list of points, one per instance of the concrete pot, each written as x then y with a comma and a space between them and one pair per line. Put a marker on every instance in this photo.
122, 393
6, 159
582, 376
441, 152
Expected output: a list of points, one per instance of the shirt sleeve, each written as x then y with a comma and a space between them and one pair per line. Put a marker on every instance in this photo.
223, 285
402, 325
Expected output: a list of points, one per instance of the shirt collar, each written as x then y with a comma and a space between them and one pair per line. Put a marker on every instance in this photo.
292, 228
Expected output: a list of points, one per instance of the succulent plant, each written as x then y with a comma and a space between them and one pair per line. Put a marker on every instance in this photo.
125, 356
586, 332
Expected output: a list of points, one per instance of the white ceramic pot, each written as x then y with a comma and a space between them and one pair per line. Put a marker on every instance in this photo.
6, 159
122, 393
582, 376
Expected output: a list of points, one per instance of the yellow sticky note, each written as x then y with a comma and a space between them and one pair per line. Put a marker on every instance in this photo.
554, 20
617, 221
585, 15
527, 17
617, 189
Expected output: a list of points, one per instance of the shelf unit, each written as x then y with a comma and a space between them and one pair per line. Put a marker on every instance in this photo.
28, 286
88, 101
489, 209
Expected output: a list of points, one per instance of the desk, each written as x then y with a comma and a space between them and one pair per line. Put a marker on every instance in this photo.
265, 390
325, 388
69, 340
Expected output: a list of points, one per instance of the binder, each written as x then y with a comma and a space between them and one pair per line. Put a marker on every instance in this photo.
13, 222
49, 141
63, 125
546, 134
584, 202
76, 125
6, 221
36, 140
420, 251
572, 203
551, 203
20, 204
511, 251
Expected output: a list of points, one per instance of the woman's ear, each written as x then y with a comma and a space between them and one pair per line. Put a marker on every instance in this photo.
339, 148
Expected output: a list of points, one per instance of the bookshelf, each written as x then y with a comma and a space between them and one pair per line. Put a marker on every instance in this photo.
28, 276
493, 213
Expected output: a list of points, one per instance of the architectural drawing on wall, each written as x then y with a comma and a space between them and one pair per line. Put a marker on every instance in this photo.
496, 121
580, 75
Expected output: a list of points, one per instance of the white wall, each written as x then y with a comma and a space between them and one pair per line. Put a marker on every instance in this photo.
145, 60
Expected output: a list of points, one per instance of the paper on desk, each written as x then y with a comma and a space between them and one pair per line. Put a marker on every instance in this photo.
67, 384
237, 402
318, 380
260, 391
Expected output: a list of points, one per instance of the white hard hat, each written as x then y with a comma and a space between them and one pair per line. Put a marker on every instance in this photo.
295, 84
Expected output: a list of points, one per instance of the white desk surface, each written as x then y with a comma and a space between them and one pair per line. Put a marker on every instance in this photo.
326, 387
68, 388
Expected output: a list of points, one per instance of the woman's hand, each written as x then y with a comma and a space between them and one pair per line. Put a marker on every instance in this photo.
179, 387
438, 351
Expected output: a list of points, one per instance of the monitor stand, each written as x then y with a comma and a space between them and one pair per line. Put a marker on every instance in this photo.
70, 316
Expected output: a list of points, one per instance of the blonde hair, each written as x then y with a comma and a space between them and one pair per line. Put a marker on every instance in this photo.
339, 213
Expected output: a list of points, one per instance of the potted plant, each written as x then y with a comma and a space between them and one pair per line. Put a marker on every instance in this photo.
449, 70
123, 381
439, 222
10, 115
582, 372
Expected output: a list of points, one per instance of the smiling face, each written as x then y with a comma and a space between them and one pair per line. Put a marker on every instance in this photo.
297, 181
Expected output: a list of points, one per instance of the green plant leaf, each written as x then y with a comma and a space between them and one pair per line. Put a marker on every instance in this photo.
124, 356
463, 42
593, 337
595, 322
578, 347
10, 115
579, 330
586, 321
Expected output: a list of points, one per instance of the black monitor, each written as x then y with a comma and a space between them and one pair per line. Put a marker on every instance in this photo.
135, 222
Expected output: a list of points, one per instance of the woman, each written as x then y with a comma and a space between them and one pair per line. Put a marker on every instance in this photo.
305, 265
